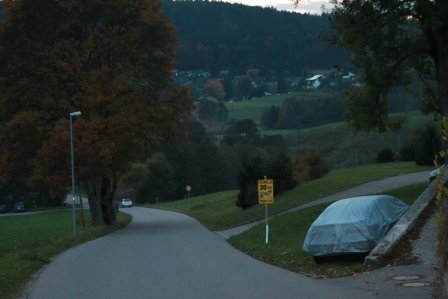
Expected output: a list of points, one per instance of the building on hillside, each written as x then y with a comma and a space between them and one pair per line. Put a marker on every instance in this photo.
350, 80
271, 87
259, 82
183, 77
224, 74
253, 73
314, 82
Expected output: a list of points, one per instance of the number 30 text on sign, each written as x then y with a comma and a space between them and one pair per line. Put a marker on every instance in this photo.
265, 191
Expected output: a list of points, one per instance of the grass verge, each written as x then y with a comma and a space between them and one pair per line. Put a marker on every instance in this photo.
28, 242
287, 234
218, 211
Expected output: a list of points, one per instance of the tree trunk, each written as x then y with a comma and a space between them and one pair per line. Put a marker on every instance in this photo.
101, 195
95, 203
440, 50
108, 187
442, 74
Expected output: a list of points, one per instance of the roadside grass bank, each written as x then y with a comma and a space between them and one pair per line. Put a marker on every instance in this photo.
343, 147
287, 234
28, 242
218, 211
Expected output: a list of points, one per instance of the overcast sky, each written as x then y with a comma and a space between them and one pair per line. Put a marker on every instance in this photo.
310, 6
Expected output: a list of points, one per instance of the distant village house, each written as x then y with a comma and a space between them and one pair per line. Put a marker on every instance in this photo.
314, 82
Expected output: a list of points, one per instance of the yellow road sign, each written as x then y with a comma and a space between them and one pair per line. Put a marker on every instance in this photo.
265, 191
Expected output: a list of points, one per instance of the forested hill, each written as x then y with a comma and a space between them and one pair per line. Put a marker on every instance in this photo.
218, 36
221, 36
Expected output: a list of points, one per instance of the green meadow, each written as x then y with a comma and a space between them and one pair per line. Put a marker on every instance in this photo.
342, 145
218, 211
28, 242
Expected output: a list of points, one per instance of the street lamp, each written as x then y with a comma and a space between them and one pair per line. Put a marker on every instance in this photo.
73, 115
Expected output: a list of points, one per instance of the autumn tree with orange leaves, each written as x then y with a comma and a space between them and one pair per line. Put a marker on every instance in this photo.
111, 60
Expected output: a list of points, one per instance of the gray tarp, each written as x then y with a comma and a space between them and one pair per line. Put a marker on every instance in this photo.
353, 225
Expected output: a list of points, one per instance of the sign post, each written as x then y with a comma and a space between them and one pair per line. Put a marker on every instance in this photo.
266, 196
188, 188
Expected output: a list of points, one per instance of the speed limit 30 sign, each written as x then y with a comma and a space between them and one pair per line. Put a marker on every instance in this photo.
265, 191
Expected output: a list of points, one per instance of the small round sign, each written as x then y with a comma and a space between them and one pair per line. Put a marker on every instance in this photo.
188, 188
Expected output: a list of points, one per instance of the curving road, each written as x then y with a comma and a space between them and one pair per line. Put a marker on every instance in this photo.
168, 255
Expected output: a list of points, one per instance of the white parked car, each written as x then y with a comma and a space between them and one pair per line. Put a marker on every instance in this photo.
433, 174
126, 203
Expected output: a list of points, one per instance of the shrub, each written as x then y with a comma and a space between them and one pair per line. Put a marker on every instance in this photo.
269, 118
385, 155
272, 143
407, 152
248, 178
311, 165
278, 168
244, 131
427, 145
247, 197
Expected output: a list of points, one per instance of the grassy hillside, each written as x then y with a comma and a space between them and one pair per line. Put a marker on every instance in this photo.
253, 109
218, 211
346, 148
343, 146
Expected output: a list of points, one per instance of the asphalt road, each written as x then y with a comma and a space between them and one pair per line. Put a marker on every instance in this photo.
168, 255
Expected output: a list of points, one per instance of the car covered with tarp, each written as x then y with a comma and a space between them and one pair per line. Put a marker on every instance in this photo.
353, 225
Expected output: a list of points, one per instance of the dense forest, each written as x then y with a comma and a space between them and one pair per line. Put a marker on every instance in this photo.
218, 36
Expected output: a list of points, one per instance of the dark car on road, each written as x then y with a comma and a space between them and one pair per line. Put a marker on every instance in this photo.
19, 207
3, 208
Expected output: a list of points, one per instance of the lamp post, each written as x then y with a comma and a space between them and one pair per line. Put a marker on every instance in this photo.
73, 115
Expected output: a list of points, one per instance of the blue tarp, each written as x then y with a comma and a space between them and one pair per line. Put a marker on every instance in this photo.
353, 225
